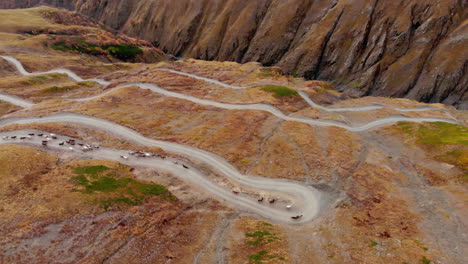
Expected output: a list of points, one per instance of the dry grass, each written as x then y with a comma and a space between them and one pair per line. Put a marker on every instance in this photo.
33, 187
6, 108
258, 242
46, 87
24, 19
201, 89
50, 203
39, 19
21, 166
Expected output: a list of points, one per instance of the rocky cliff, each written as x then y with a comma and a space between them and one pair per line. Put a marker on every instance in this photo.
399, 48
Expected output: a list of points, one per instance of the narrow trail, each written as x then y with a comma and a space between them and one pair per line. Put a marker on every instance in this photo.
20, 68
221, 238
273, 110
364, 108
16, 100
303, 95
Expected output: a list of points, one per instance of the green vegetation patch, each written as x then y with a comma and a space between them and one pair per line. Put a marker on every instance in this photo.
437, 133
40, 79
113, 188
280, 91
124, 51
373, 243
61, 46
120, 51
425, 260
86, 83
262, 256
449, 141
265, 74
258, 257
66, 88
55, 89
58, 89
91, 170
458, 157
259, 241
260, 238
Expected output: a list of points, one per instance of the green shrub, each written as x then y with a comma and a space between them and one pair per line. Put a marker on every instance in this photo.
259, 257
457, 157
425, 260
38, 79
61, 46
58, 89
262, 255
53, 89
150, 189
280, 91
373, 243
124, 51
86, 83
438, 135
80, 180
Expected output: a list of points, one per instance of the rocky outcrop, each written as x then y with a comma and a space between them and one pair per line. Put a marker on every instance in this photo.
414, 49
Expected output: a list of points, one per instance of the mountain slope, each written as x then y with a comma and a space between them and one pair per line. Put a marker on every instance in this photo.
191, 161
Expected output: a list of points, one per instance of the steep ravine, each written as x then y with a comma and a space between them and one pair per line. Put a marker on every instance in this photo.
414, 49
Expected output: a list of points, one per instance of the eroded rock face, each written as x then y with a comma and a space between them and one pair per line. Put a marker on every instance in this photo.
411, 49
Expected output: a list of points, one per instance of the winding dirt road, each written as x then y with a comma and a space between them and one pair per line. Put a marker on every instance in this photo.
260, 107
306, 200
303, 95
